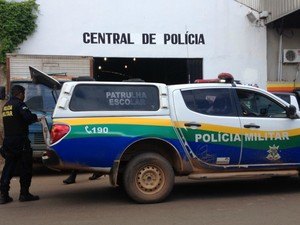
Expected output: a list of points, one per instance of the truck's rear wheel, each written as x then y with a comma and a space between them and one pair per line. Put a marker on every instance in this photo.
148, 178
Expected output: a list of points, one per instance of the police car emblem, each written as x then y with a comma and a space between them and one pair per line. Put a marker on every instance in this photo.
273, 153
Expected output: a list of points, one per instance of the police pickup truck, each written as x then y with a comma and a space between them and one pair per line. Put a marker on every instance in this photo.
145, 134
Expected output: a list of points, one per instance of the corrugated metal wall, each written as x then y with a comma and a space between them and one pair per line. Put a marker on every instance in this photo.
71, 65
255, 4
277, 8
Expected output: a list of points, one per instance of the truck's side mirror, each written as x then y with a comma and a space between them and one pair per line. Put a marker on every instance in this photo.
291, 112
2, 93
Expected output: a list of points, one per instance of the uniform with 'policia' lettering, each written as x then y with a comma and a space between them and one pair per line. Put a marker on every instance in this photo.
16, 145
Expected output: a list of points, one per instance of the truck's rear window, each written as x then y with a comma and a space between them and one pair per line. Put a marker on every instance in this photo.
95, 97
37, 96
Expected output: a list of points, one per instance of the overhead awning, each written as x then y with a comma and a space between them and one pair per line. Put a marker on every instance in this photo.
291, 20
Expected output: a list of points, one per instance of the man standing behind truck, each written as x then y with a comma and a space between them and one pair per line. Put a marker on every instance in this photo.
16, 145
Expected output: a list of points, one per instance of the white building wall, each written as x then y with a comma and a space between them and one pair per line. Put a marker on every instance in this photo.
230, 43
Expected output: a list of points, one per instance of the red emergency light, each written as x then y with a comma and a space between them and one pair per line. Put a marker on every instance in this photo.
222, 78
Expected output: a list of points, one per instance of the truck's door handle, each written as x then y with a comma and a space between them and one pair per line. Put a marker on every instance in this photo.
192, 124
251, 125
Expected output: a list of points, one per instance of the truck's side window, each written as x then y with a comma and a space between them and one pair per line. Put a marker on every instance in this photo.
254, 104
217, 102
108, 97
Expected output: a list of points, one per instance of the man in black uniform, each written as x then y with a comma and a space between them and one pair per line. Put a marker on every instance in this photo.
16, 147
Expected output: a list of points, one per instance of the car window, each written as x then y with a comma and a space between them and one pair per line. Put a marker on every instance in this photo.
284, 97
289, 98
38, 97
217, 102
254, 104
107, 97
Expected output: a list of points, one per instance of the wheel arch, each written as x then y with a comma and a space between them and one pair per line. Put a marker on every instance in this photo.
156, 145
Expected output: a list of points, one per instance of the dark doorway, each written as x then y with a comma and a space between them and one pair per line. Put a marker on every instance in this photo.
162, 70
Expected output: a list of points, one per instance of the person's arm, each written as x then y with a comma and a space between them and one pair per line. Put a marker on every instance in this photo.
27, 115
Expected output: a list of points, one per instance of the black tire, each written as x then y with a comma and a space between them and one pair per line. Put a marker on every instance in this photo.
120, 180
148, 178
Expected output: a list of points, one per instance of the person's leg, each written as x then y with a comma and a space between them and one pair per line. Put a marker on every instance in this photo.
7, 174
26, 175
95, 176
72, 178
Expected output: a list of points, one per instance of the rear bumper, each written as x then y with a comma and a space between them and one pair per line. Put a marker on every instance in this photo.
51, 159
38, 154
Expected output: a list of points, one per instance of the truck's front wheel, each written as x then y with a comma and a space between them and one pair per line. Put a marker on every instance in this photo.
148, 178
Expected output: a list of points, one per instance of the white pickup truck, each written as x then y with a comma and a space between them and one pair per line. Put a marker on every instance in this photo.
291, 98
144, 134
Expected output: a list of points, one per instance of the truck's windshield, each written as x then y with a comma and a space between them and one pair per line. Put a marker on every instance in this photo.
38, 97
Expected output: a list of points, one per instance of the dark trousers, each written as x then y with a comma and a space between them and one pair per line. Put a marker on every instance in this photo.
23, 160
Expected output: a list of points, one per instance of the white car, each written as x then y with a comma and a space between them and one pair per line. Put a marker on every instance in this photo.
291, 98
